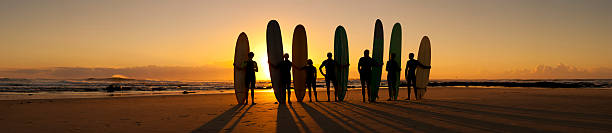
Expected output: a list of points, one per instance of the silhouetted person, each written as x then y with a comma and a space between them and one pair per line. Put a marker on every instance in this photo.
330, 74
410, 74
392, 68
250, 67
311, 79
365, 73
285, 69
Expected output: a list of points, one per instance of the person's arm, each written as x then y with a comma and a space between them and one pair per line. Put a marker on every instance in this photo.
424, 66
315, 73
359, 65
321, 69
406, 71
387, 68
255, 65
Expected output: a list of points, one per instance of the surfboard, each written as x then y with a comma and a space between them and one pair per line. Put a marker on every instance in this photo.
299, 56
395, 47
240, 55
275, 55
422, 75
341, 56
377, 55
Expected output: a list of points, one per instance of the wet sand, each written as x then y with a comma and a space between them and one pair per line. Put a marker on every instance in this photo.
444, 110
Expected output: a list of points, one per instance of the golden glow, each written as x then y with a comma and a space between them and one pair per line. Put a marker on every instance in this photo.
470, 39
261, 57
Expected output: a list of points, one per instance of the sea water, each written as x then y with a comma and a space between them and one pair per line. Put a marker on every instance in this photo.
11, 88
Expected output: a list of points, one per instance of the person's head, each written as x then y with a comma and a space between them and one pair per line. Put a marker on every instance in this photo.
286, 56
329, 55
366, 53
251, 54
411, 56
309, 62
392, 55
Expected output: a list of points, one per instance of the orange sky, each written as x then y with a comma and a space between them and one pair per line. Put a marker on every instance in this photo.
186, 40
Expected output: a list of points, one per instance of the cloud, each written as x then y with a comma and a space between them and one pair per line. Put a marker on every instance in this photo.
561, 71
143, 72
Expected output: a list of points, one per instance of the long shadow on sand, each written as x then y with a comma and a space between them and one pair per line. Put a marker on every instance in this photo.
488, 126
340, 115
239, 118
421, 126
539, 120
284, 120
366, 112
297, 116
326, 123
218, 123
583, 115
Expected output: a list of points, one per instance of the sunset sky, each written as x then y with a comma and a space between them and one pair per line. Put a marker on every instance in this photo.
195, 40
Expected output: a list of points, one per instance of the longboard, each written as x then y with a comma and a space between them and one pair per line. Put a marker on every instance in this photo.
377, 55
299, 56
240, 55
275, 54
422, 75
341, 57
395, 47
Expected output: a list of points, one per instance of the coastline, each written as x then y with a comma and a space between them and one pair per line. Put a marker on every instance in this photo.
444, 110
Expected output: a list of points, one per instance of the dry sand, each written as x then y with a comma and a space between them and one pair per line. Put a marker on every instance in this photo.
444, 110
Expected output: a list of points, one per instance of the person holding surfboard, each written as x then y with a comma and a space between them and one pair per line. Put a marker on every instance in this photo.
311, 79
285, 67
410, 74
330, 74
365, 73
392, 68
250, 67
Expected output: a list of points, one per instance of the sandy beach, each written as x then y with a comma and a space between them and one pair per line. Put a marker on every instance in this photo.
444, 110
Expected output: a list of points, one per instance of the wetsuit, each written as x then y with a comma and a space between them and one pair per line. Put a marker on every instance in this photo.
285, 68
330, 75
365, 74
392, 70
311, 81
411, 66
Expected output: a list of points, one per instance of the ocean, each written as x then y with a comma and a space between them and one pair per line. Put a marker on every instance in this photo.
12, 88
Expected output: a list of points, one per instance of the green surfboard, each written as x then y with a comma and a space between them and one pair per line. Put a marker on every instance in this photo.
377, 55
396, 47
341, 57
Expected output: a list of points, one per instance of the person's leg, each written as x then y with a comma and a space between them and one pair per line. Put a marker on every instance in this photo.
409, 84
247, 83
390, 89
328, 87
308, 88
252, 92
416, 95
288, 84
314, 88
367, 83
335, 89
363, 89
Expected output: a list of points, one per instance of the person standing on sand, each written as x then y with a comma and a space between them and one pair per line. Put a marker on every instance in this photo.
285, 68
365, 73
410, 74
311, 79
250, 67
392, 69
330, 75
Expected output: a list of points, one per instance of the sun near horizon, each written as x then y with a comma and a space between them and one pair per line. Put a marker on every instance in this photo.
195, 40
